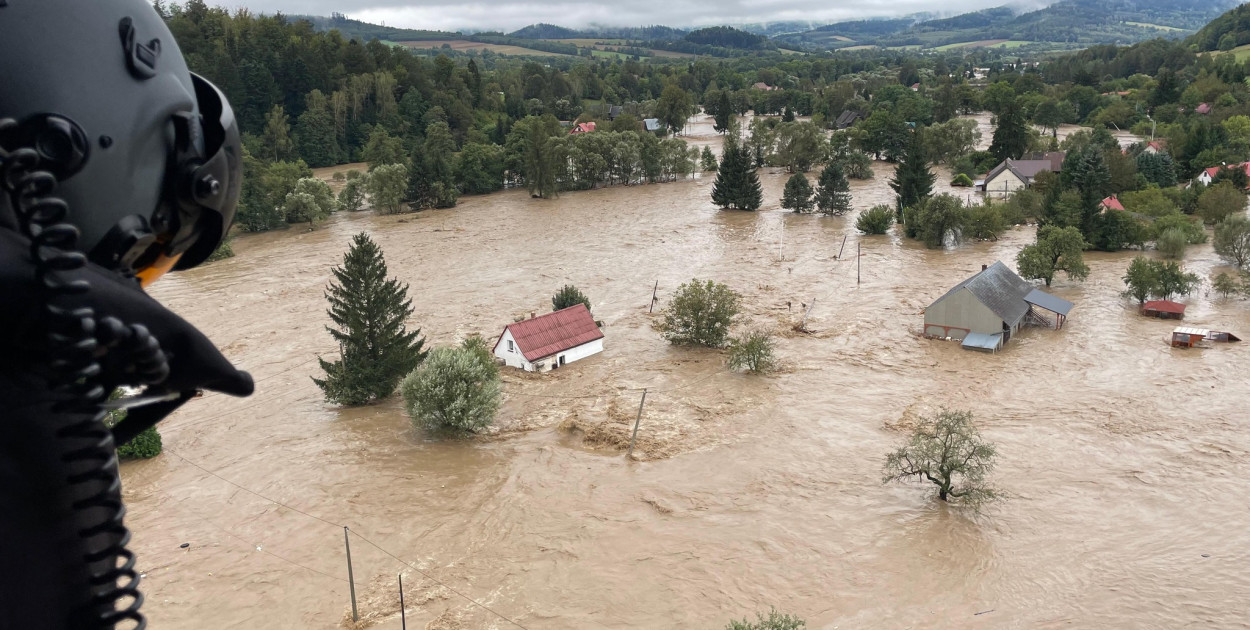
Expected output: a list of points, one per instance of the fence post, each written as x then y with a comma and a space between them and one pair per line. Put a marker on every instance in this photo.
636, 421
351, 579
858, 262
653, 298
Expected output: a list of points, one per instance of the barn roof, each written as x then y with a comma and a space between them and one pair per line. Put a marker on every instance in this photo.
1000, 290
1164, 306
1038, 297
548, 334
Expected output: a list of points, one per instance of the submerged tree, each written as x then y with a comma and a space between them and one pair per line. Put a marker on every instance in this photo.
797, 196
913, 181
753, 352
833, 192
700, 314
1232, 240
568, 296
737, 186
369, 311
1057, 249
774, 621
947, 451
456, 388
707, 161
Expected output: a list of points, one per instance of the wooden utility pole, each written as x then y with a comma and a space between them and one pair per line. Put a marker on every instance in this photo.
842, 248
351, 580
858, 263
637, 420
803, 324
782, 243
653, 298
403, 614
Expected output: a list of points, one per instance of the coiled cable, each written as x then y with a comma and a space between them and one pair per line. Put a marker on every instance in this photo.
76, 341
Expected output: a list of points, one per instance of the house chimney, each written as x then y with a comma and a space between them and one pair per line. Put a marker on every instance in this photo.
533, 314
984, 267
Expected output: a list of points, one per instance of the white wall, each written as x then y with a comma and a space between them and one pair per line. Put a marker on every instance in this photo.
512, 358
517, 360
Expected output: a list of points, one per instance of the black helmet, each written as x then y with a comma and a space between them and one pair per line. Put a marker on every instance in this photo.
147, 154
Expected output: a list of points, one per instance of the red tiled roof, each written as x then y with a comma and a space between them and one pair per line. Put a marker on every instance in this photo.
1164, 306
1203, 108
1112, 203
585, 127
1214, 170
548, 334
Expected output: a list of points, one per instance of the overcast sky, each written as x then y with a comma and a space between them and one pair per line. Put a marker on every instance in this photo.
507, 15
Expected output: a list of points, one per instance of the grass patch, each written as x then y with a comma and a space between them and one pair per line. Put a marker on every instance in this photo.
464, 44
1156, 26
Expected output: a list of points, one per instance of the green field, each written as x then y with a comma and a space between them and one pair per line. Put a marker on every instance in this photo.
1155, 26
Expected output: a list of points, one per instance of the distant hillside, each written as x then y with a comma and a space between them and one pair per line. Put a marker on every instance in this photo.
1068, 22
1225, 32
364, 32
727, 37
546, 31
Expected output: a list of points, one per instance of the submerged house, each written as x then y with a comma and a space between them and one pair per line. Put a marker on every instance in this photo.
1012, 175
847, 119
547, 342
985, 310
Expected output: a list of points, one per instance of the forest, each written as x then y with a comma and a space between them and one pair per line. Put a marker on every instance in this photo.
447, 126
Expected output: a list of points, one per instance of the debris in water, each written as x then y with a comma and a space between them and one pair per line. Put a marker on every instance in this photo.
184, 545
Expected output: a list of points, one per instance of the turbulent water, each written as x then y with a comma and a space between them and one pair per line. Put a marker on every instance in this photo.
1125, 460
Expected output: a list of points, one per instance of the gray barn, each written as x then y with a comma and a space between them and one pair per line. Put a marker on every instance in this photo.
993, 303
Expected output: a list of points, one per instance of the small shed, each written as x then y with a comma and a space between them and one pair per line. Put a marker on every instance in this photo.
983, 342
1187, 337
995, 302
550, 341
651, 124
1163, 309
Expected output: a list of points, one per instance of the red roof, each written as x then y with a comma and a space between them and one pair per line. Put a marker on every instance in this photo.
585, 127
1164, 306
548, 334
1214, 170
1112, 203
1203, 108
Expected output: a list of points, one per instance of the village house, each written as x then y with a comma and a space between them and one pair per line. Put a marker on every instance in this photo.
847, 118
1110, 203
1208, 175
1012, 175
547, 342
614, 111
651, 124
1163, 309
585, 127
985, 310
1155, 147
760, 85
1203, 108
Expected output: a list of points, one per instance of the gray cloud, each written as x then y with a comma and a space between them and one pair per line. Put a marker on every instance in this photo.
510, 15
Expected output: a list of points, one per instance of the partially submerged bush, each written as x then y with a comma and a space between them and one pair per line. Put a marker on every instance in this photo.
961, 180
774, 621
568, 296
753, 352
455, 388
700, 314
875, 220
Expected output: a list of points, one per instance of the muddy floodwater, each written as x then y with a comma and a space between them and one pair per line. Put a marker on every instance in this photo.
1126, 461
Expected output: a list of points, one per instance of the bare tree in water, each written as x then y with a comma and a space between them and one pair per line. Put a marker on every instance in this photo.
948, 451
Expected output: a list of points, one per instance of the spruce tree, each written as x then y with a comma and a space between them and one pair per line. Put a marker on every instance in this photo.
913, 181
1011, 135
369, 311
707, 161
798, 194
833, 192
724, 113
737, 186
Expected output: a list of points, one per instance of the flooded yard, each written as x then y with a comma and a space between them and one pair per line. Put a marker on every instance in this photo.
1125, 460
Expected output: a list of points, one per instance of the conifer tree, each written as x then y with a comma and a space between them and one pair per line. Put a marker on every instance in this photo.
369, 311
798, 194
913, 181
724, 113
737, 186
833, 192
1011, 135
707, 161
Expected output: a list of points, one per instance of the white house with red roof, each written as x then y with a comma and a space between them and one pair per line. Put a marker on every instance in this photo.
1209, 174
1111, 203
543, 343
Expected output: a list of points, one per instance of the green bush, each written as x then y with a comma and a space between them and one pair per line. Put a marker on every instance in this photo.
455, 388
962, 180
146, 445
753, 352
774, 621
223, 251
875, 220
568, 296
1171, 243
700, 314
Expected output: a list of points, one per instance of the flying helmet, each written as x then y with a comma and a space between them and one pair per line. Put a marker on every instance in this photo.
147, 154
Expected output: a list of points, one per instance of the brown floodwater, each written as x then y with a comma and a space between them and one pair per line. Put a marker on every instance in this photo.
1125, 460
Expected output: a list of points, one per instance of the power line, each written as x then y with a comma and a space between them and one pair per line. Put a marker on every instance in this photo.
226, 531
358, 535
439, 582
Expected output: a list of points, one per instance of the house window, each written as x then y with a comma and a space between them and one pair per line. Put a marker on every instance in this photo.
511, 346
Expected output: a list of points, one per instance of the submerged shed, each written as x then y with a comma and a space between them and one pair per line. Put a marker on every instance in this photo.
993, 303
550, 341
1188, 337
1163, 309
